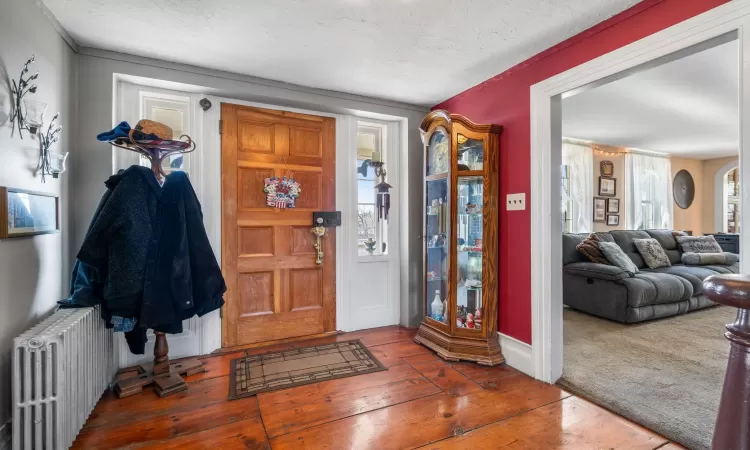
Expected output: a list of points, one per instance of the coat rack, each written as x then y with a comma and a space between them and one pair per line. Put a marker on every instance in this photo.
165, 376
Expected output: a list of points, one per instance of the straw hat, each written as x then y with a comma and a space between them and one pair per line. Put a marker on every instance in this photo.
151, 127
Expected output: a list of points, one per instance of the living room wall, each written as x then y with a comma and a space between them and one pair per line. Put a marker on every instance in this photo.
692, 217
618, 160
504, 99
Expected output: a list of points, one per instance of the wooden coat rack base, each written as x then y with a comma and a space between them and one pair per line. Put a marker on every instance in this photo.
165, 376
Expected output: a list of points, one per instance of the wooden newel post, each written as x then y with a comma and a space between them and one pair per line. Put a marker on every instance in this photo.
732, 430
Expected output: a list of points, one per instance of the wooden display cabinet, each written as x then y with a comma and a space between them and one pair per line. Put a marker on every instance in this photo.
460, 231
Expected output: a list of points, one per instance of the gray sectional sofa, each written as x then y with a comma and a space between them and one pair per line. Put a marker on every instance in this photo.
613, 293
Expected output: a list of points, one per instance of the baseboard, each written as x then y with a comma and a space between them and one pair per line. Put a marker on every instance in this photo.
517, 354
5, 434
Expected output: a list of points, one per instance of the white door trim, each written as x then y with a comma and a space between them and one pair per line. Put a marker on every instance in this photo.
546, 135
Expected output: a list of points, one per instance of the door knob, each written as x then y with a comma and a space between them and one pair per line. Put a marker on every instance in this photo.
319, 232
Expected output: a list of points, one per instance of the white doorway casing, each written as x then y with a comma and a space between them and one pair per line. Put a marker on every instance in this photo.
546, 142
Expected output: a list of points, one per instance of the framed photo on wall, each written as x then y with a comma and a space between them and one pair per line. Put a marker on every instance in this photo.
607, 169
28, 213
613, 220
613, 206
600, 209
607, 187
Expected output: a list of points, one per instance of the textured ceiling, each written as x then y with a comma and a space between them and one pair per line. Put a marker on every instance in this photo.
687, 107
414, 51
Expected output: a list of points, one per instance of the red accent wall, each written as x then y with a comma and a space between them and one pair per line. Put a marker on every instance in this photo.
504, 100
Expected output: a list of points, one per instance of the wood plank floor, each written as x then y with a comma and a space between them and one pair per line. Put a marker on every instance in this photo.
420, 402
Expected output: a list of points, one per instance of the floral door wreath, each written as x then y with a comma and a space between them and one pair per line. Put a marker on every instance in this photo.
281, 192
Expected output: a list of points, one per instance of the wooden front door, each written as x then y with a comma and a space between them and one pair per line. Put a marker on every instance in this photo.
275, 290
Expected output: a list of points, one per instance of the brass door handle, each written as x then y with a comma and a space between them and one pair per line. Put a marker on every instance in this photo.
318, 232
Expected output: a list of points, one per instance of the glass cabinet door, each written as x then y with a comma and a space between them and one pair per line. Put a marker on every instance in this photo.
437, 235
470, 153
469, 223
438, 153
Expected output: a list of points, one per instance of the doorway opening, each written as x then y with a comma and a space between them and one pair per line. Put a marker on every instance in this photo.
703, 32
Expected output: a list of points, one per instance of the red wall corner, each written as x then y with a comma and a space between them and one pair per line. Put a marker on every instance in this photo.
504, 100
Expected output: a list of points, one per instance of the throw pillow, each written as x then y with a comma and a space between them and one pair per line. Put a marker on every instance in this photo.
701, 259
617, 257
698, 244
589, 247
652, 252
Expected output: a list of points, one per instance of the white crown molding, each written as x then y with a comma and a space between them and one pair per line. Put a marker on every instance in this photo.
56, 25
517, 354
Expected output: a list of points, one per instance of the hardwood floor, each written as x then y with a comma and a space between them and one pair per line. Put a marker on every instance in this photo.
420, 402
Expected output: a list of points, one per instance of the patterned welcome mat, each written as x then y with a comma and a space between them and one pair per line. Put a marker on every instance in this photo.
251, 375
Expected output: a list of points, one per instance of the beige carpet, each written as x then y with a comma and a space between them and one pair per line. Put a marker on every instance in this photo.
666, 375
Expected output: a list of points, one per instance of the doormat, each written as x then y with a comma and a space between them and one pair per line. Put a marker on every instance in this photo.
252, 375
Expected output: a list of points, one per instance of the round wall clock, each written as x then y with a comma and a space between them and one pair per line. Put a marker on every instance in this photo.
683, 189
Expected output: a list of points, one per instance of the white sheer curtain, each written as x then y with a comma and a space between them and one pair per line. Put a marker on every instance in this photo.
580, 161
649, 191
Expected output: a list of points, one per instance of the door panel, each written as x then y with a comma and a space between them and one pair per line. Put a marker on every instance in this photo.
274, 288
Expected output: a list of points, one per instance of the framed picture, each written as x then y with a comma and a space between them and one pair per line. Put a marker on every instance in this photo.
27, 213
607, 187
613, 206
613, 220
600, 209
607, 169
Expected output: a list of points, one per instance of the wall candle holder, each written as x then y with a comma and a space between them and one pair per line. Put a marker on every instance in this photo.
50, 163
19, 90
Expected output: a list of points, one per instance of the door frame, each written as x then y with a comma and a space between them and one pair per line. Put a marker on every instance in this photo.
546, 138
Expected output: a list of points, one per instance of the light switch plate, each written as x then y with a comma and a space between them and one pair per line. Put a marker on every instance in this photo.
516, 202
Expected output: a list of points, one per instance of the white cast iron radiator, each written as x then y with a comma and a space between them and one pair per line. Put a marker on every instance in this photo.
60, 369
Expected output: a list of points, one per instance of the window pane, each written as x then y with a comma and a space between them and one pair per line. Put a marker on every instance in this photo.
371, 233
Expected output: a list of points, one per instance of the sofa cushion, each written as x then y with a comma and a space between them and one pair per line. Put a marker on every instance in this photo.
598, 271
652, 253
668, 242
648, 288
569, 252
704, 259
589, 247
617, 257
698, 244
694, 274
624, 238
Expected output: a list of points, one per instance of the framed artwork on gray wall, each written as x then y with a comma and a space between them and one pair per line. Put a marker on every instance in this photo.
28, 213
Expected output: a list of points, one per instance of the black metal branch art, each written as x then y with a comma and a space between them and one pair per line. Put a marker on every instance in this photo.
23, 87
45, 142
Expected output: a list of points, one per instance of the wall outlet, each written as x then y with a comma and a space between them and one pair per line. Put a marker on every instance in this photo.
515, 202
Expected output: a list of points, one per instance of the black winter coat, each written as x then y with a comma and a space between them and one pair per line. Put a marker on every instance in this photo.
146, 256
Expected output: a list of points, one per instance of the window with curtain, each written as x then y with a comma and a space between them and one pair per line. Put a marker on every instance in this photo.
649, 191
577, 188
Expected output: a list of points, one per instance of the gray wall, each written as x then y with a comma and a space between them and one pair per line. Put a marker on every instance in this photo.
92, 162
33, 271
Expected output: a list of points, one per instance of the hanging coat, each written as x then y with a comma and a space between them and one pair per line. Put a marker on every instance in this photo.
146, 257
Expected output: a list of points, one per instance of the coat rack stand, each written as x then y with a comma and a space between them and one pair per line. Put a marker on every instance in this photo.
166, 377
